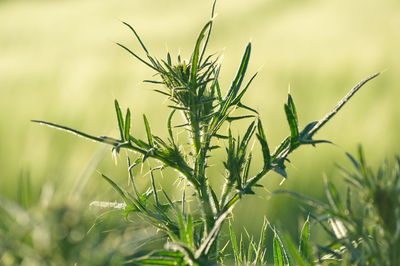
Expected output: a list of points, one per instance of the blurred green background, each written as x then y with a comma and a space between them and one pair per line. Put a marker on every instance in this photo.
59, 62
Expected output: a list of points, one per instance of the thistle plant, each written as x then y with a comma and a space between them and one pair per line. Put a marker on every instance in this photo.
207, 111
363, 222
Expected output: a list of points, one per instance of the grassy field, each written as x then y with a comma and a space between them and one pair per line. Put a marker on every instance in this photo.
58, 62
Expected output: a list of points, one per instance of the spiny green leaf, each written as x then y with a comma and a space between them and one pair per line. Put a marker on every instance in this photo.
240, 96
214, 198
247, 136
304, 134
234, 244
153, 81
264, 145
196, 52
292, 107
295, 254
127, 124
241, 72
137, 36
153, 185
119, 190
151, 261
334, 198
120, 120
282, 146
169, 126
169, 60
148, 131
246, 168
221, 136
260, 252
247, 108
305, 245
208, 34
163, 93
190, 231
294, 131
137, 57
279, 167
234, 118
279, 251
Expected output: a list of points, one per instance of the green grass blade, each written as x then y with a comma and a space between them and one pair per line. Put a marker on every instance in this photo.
280, 254
295, 254
260, 252
120, 120
279, 259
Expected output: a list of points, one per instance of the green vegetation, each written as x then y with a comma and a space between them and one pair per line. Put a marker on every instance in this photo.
184, 184
193, 89
363, 225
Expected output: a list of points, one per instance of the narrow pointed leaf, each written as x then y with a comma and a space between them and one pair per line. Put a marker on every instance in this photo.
295, 254
136, 56
334, 198
169, 126
247, 108
120, 120
264, 145
169, 60
148, 131
292, 107
196, 53
119, 190
280, 257
305, 245
240, 73
240, 96
294, 131
247, 136
127, 124
103, 139
137, 36
234, 118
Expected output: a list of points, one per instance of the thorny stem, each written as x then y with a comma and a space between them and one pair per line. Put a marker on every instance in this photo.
340, 104
201, 133
231, 203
